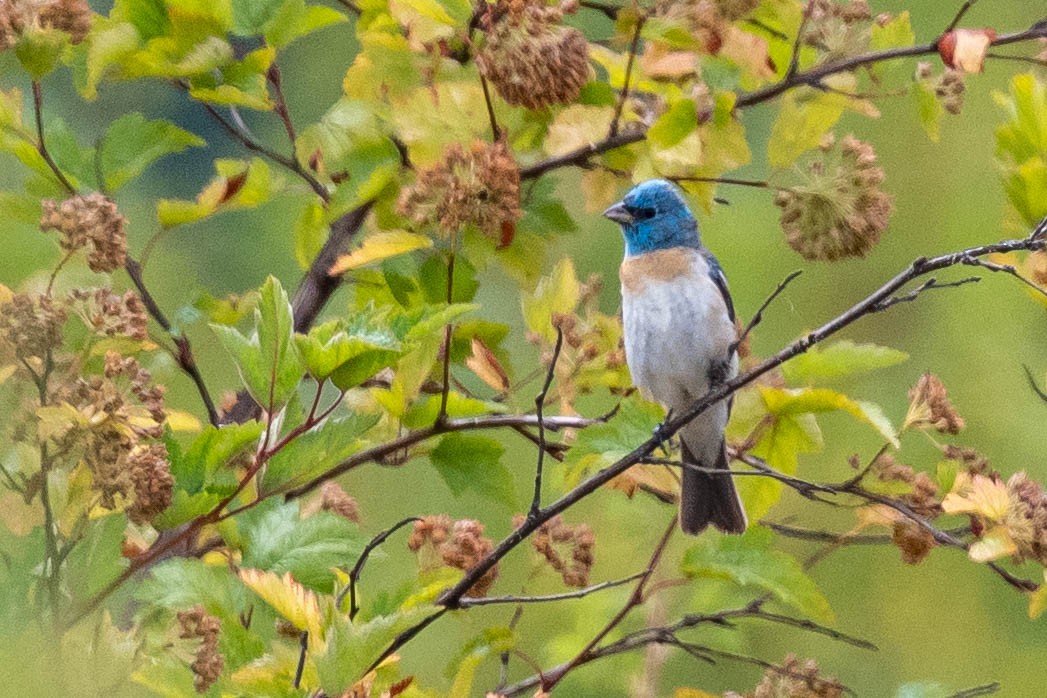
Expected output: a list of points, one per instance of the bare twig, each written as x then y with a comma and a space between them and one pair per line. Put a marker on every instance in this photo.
634, 45
959, 15
183, 353
41, 143
1005, 269
986, 690
928, 285
758, 315
470, 602
354, 574
539, 406
496, 132
1033, 384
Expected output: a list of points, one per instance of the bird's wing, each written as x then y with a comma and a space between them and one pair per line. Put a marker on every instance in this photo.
717, 275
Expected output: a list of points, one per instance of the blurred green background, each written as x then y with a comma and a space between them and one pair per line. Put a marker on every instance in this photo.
948, 620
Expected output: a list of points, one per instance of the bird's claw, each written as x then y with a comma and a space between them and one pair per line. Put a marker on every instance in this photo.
661, 432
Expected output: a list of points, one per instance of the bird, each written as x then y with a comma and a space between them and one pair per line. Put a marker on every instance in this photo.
680, 340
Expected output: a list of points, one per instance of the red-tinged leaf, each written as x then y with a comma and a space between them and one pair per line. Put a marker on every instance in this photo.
964, 49
233, 185
508, 234
399, 687
486, 366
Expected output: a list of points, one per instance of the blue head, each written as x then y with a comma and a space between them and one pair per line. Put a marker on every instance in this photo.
654, 216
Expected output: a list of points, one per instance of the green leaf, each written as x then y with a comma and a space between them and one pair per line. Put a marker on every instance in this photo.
351, 647
132, 143
294, 20
780, 446
426, 409
240, 83
268, 361
237, 186
674, 125
331, 352
749, 561
895, 33
317, 450
577, 126
600, 445
1021, 146
557, 293
195, 468
474, 463
275, 538
819, 400
96, 560
803, 120
378, 247
841, 358
310, 233
929, 108
182, 583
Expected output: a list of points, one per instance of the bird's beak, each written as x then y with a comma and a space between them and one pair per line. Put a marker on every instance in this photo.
618, 214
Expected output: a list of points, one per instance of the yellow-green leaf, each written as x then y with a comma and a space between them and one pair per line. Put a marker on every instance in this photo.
380, 246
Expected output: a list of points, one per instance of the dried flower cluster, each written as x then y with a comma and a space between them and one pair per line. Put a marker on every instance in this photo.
836, 28
110, 433
109, 314
1026, 518
530, 57
923, 497
334, 499
89, 221
19, 16
478, 187
567, 549
840, 209
209, 663
949, 87
707, 19
31, 326
460, 544
794, 679
929, 407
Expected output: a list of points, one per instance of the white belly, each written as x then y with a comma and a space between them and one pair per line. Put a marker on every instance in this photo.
674, 331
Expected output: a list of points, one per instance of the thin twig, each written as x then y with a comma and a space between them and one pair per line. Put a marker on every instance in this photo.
1021, 59
539, 405
634, 45
358, 568
1032, 383
470, 602
635, 599
1006, 269
41, 143
758, 315
959, 15
445, 391
986, 690
183, 353
794, 58
303, 642
496, 132
928, 285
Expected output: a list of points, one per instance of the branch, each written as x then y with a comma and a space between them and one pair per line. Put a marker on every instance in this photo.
184, 350
758, 315
633, 47
41, 144
470, 602
354, 575
810, 78
539, 406
918, 268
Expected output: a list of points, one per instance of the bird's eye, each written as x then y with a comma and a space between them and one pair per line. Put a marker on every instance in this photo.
642, 213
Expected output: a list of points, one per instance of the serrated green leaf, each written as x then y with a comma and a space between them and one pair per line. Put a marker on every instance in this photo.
600, 445
1021, 146
132, 143
351, 647
275, 538
182, 583
317, 450
195, 467
840, 359
268, 361
473, 463
749, 561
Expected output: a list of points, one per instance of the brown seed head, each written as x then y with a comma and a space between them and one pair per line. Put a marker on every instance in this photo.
796, 679
478, 187
209, 663
31, 325
840, 209
89, 221
929, 407
70, 16
152, 480
334, 499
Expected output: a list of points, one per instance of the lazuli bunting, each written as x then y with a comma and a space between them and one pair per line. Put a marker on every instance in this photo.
679, 335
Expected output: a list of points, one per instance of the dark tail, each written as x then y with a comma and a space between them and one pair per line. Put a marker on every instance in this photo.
709, 499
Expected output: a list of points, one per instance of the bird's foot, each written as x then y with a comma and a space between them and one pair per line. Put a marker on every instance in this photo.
661, 432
